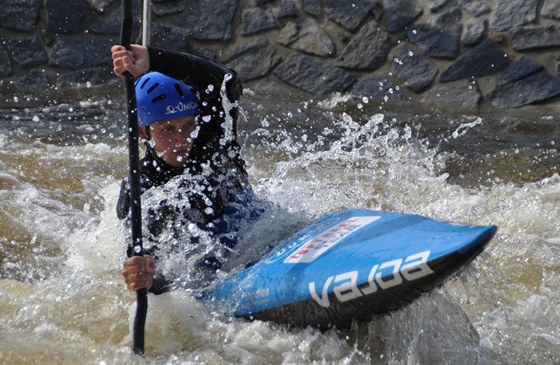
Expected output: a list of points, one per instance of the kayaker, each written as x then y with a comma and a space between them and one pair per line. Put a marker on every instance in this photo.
187, 116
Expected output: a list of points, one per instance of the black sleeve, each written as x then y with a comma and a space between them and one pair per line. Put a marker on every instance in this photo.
160, 284
195, 70
123, 204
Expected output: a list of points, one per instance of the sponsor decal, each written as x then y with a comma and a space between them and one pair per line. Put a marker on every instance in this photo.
313, 248
381, 277
181, 107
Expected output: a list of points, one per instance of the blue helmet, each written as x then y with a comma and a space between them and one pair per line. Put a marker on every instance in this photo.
160, 97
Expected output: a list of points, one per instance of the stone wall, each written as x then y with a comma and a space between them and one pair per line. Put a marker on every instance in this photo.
463, 54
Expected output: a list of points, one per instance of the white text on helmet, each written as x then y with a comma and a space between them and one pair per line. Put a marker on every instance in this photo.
181, 107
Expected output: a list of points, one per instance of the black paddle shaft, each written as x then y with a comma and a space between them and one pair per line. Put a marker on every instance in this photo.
134, 180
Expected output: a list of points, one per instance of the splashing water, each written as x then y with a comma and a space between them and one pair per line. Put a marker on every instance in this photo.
61, 246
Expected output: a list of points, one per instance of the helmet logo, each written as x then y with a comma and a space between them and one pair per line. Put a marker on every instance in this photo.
181, 107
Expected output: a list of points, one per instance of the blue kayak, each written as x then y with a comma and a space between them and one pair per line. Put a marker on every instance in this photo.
349, 265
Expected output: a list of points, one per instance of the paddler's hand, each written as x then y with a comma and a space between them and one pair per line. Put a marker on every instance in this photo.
136, 61
138, 272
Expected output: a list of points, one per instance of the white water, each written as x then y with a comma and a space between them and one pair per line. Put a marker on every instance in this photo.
62, 299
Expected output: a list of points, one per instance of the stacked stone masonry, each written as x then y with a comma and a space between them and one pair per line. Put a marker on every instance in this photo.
463, 54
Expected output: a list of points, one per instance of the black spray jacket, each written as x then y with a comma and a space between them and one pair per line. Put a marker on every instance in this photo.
215, 173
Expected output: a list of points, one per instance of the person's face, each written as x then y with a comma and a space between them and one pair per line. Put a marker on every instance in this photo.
173, 139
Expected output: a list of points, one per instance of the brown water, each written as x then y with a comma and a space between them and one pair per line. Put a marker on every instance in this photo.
61, 296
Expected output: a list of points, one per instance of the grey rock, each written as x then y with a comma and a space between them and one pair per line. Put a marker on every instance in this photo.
253, 60
34, 80
535, 37
111, 23
519, 70
162, 9
475, 32
313, 76
349, 14
88, 77
512, 13
243, 49
311, 40
263, 3
367, 50
5, 64
450, 19
75, 53
462, 94
313, 8
288, 34
416, 72
67, 57
257, 20
27, 52
435, 5
401, 13
551, 9
441, 37
274, 88
475, 7
207, 20
378, 88
530, 90
315, 41
66, 16
100, 6
169, 37
485, 59
20, 14
286, 9
97, 51
213, 52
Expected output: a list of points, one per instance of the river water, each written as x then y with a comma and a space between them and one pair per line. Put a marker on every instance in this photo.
62, 300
